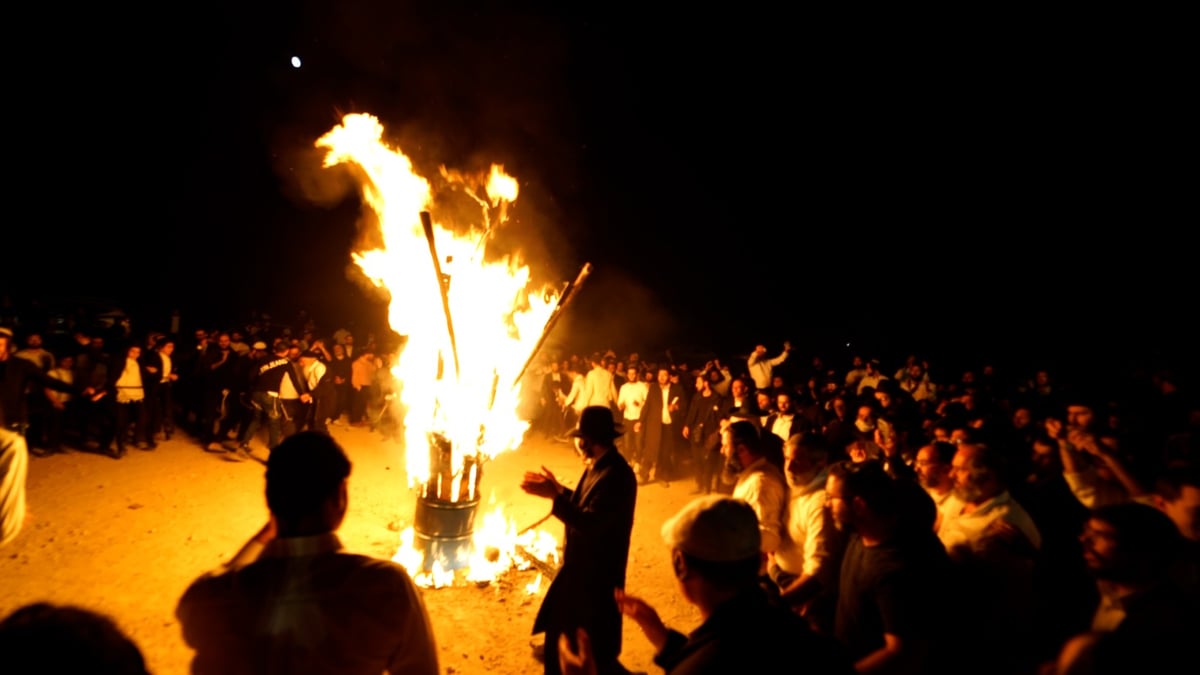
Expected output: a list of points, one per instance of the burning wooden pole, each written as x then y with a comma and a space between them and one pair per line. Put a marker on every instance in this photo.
443, 285
563, 300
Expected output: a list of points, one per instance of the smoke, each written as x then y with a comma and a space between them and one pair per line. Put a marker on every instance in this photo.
613, 311
307, 181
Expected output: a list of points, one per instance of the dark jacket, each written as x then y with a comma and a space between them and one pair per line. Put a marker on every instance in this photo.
747, 634
703, 419
598, 520
16, 376
651, 419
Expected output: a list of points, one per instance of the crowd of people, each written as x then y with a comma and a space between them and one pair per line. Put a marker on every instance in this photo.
978, 523
905, 519
101, 392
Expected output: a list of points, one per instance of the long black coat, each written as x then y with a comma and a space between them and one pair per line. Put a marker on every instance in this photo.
659, 439
598, 520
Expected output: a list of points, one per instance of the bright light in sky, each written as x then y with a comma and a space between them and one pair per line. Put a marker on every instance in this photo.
295, 61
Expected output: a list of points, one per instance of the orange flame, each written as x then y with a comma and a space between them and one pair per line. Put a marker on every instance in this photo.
497, 314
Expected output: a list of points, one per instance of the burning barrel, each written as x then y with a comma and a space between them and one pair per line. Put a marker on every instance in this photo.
444, 522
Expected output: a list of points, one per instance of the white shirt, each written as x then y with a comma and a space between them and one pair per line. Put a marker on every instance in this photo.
971, 529
62, 375
870, 381
945, 503
805, 547
666, 408
760, 368
287, 390
1093, 491
313, 373
575, 398
783, 425
129, 385
166, 369
763, 487
632, 398
598, 388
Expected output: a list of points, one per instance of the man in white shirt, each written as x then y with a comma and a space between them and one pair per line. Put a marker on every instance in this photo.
574, 402
756, 481
320, 408
598, 386
760, 366
785, 421
932, 467
630, 400
993, 543
806, 563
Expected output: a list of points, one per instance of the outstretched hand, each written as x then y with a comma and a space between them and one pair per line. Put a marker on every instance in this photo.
644, 616
542, 484
576, 662
1054, 428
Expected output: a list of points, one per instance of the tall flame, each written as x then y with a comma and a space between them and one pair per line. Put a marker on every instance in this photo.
497, 316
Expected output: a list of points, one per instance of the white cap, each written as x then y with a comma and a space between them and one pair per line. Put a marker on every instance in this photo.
716, 528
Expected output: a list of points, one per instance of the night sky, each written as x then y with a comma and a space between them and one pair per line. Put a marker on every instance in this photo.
1010, 186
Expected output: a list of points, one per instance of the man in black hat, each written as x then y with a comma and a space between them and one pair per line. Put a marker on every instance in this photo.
598, 520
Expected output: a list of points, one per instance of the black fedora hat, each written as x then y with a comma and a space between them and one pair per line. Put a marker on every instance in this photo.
596, 421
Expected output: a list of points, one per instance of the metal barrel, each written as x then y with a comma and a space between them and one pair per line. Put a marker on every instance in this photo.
443, 532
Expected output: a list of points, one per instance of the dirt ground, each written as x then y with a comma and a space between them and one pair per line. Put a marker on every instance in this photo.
126, 538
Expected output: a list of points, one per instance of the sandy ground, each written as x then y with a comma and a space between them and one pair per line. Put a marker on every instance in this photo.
126, 538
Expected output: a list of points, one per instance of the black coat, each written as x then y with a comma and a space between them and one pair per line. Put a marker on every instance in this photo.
598, 520
746, 634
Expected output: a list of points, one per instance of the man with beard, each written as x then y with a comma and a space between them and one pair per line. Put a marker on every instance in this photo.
988, 515
757, 481
215, 380
597, 517
662, 417
741, 401
932, 467
702, 430
885, 613
1146, 622
805, 565
994, 544
1091, 459
786, 421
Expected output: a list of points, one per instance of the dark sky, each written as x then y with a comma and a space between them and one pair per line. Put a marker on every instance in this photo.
989, 184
